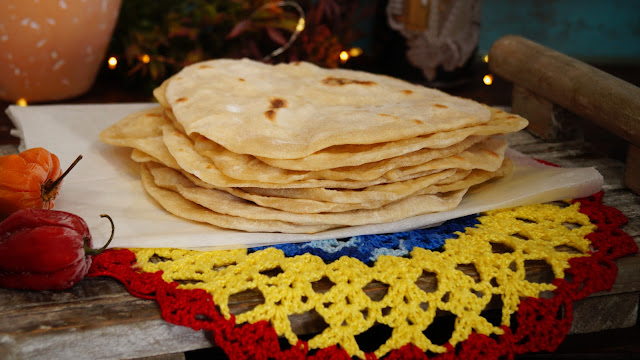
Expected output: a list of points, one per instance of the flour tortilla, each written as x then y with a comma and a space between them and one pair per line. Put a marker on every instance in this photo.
353, 155
182, 150
360, 198
289, 111
143, 131
368, 196
367, 199
149, 123
351, 199
472, 151
321, 200
448, 180
295, 148
305, 206
179, 206
486, 155
225, 203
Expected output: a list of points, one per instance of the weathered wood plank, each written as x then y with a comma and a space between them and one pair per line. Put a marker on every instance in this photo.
628, 278
174, 356
117, 341
605, 312
87, 290
632, 171
97, 318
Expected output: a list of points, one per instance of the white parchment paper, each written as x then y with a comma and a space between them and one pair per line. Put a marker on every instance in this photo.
106, 181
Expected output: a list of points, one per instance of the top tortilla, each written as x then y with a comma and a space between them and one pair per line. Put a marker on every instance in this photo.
292, 110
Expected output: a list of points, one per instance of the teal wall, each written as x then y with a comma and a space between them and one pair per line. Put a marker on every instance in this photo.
590, 30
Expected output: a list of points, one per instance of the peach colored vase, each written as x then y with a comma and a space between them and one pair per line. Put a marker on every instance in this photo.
52, 49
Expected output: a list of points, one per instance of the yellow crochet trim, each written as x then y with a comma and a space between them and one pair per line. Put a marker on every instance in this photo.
501, 248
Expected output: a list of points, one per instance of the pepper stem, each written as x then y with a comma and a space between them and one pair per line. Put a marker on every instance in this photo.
50, 186
92, 252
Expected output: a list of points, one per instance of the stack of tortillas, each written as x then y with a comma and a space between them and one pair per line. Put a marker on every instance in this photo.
297, 148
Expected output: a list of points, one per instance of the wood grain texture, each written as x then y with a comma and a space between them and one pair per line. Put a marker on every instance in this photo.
97, 318
536, 109
547, 121
632, 170
574, 85
606, 312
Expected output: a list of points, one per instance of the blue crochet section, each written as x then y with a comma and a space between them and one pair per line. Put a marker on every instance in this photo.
367, 248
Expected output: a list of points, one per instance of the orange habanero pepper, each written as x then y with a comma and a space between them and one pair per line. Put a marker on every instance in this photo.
30, 179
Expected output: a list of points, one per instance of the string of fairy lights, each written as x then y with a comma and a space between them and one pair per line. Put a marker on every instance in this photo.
302, 22
487, 79
344, 55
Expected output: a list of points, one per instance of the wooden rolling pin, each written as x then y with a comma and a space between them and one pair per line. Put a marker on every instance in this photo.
580, 88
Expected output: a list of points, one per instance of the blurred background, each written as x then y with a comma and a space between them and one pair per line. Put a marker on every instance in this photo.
174, 33
118, 51
441, 43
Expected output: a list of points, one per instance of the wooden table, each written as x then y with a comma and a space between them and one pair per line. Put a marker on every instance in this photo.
98, 318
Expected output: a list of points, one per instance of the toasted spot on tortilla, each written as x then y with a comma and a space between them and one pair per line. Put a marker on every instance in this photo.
270, 114
277, 103
336, 81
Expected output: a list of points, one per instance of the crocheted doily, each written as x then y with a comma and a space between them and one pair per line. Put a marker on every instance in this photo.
470, 278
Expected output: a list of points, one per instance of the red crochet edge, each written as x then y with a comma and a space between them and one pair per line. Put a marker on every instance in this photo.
540, 324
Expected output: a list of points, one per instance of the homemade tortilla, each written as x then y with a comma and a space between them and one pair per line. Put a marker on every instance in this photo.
296, 148
288, 111
224, 203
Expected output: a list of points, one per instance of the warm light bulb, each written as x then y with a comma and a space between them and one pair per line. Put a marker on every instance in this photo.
113, 62
355, 52
487, 79
485, 58
344, 56
21, 102
145, 58
301, 24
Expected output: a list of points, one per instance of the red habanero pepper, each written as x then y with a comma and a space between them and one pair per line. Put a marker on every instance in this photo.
30, 179
45, 249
